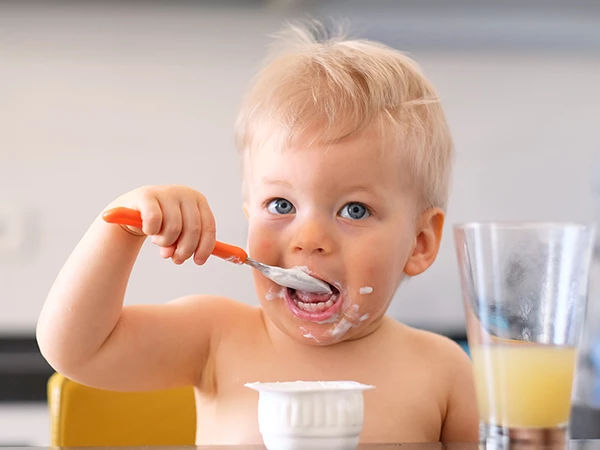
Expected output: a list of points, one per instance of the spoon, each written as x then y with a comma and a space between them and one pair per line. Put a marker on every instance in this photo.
293, 278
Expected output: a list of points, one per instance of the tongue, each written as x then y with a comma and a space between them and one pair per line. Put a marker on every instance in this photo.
312, 297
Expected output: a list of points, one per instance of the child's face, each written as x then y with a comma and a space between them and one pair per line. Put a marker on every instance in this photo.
343, 212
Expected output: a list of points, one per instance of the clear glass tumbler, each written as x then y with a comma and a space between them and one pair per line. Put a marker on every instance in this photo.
524, 289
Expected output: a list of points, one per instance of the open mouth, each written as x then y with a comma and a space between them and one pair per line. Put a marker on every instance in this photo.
313, 306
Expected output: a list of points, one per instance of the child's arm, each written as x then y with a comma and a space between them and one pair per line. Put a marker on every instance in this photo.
84, 331
462, 420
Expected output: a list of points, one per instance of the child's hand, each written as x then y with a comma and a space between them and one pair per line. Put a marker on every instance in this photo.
177, 218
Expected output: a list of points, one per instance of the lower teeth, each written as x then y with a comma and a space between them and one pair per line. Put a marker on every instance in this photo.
313, 307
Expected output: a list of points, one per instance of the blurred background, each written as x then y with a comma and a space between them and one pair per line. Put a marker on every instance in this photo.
99, 97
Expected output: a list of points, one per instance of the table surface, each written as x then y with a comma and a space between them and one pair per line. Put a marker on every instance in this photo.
593, 444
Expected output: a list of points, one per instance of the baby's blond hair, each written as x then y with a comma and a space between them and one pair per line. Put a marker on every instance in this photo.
327, 89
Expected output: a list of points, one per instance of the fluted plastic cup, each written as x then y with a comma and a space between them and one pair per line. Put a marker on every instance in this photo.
524, 289
303, 415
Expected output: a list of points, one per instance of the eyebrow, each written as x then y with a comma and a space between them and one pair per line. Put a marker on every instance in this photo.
360, 187
267, 180
355, 188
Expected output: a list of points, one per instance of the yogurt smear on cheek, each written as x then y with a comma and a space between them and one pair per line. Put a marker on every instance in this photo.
271, 295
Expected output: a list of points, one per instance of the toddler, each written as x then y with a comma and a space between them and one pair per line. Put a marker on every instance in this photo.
346, 160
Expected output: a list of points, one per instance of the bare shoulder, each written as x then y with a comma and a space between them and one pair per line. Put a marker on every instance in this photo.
441, 347
435, 347
454, 375
215, 312
216, 304
432, 374
218, 327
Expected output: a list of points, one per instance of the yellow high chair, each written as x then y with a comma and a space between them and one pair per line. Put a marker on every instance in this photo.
85, 416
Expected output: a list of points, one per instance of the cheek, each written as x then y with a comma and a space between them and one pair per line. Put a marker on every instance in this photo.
260, 241
379, 259
388, 252
378, 266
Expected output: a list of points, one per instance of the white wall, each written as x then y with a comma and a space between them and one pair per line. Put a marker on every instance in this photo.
97, 100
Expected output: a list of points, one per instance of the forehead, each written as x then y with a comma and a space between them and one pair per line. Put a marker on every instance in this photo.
366, 158
371, 142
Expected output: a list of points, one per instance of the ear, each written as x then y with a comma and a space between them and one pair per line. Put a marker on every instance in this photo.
427, 242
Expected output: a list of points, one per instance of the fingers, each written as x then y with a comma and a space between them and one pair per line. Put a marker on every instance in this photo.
152, 215
171, 224
167, 252
189, 237
178, 220
206, 244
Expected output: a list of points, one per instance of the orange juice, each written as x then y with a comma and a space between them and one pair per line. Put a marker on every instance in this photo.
524, 385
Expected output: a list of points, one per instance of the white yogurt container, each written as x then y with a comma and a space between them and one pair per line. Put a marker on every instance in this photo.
310, 414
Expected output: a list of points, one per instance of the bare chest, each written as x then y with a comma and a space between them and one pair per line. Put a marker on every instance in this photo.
403, 407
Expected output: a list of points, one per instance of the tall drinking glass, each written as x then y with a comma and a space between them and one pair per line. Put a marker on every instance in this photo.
524, 289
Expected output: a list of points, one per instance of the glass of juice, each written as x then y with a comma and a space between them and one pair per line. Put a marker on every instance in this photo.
524, 289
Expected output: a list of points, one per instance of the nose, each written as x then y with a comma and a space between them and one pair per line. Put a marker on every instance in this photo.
312, 237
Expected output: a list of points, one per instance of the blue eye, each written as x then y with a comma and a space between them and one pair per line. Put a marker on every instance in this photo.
280, 206
355, 210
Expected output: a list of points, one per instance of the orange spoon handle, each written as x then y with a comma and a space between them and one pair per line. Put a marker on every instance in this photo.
132, 217
123, 216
